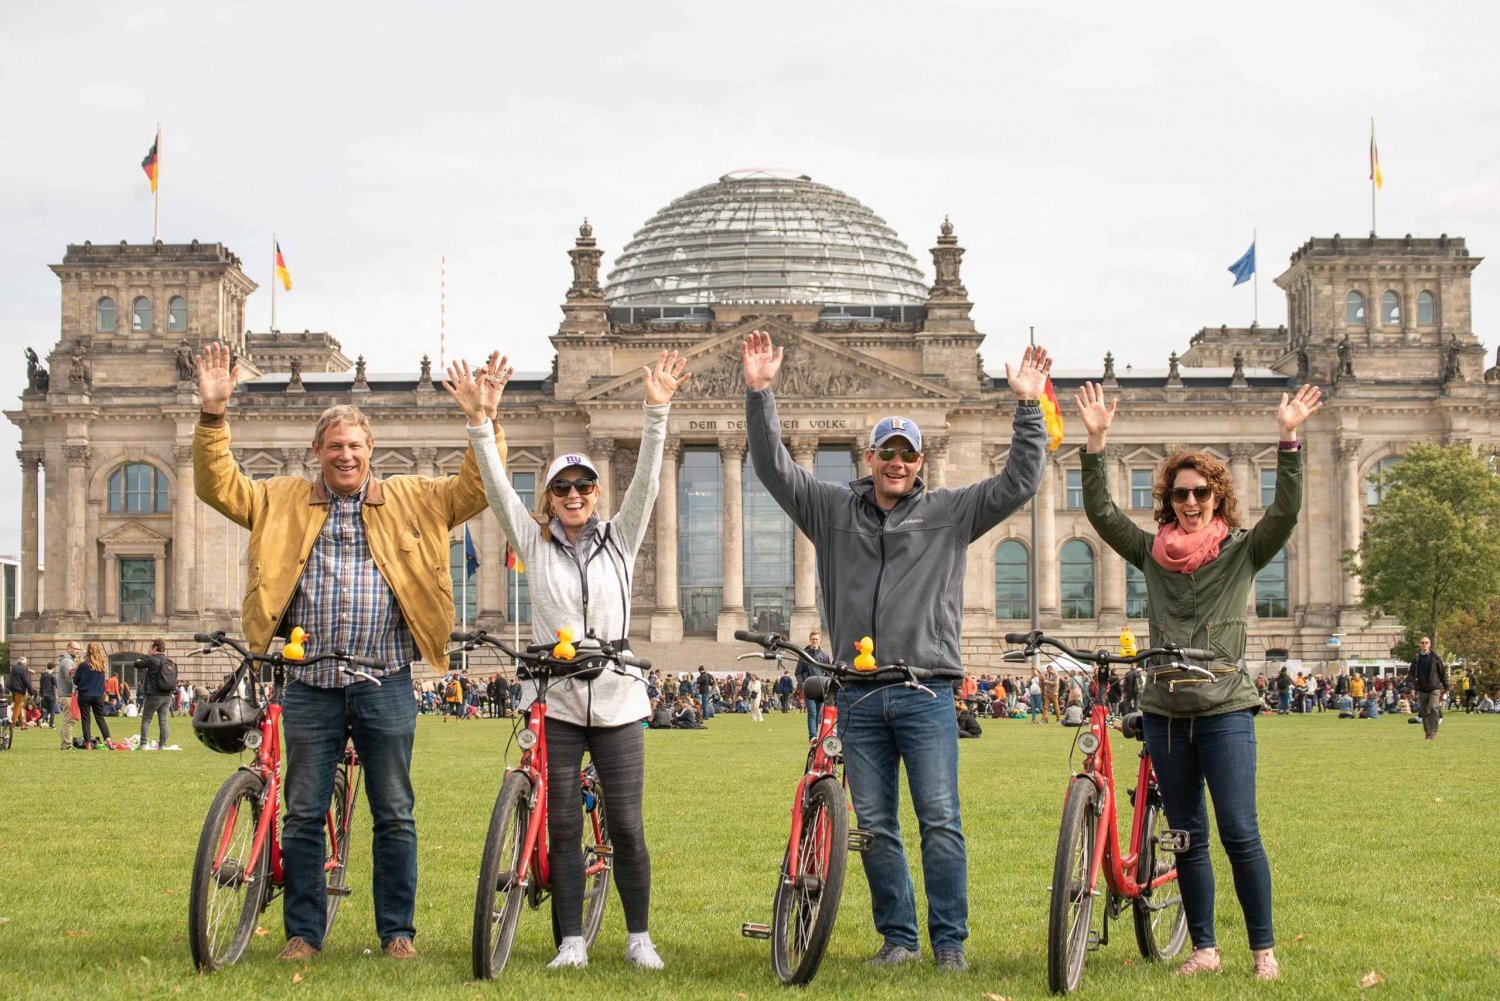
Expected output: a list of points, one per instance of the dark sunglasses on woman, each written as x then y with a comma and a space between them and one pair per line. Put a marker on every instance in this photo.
584, 485
1180, 494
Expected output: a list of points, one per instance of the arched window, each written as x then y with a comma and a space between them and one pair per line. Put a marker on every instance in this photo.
465, 585
1390, 309
139, 488
1135, 592
140, 314
106, 314
1426, 309
1378, 481
1271, 589
1012, 581
1077, 580
1354, 308
177, 313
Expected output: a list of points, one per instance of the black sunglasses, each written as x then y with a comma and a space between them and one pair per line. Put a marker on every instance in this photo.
1203, 493
585, 485
887, 454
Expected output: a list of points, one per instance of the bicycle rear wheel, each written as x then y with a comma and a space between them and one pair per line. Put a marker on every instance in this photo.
341, 816
1160, 921
497, 904
229, 884
807, 901
1072, 910
598, 860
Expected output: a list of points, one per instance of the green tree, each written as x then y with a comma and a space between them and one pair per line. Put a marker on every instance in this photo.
1431, 547
1475, 637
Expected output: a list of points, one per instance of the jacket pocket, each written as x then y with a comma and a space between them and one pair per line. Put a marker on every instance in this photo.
253, 580
411, 538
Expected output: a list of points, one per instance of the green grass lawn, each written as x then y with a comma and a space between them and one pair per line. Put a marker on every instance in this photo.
1383, 849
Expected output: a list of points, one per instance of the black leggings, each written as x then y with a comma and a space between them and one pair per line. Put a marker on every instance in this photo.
619, 755
85, 704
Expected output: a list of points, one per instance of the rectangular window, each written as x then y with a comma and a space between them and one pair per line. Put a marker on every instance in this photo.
767, 551
1267, 487
12, 581
1140, 489
1271, 589
520, 592
465, 584
1074, 498
1135, 593
137, 590
700, 531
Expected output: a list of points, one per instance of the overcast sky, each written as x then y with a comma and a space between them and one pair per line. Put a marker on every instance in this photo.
1103, 163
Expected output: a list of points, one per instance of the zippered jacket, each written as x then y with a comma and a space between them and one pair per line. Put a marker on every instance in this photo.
897, 576
584, 590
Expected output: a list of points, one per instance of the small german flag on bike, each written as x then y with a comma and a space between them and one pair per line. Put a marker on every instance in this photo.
152, 164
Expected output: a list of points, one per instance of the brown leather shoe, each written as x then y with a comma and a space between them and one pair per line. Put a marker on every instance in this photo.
400, 947
297, 948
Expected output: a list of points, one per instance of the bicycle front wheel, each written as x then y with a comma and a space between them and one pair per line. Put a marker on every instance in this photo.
1160, 921
340, 820
1072, 910
598, 860
807, 900
229, 882
497, 905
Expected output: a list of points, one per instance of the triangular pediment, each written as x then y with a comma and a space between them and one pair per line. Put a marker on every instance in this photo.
132, 533
812, 368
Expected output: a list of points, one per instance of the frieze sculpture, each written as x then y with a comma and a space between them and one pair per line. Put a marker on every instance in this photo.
1453, 370
1346, 359
80, 370
803, 376
36, 376
187, 365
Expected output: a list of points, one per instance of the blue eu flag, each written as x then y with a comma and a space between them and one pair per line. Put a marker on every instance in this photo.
1243, 268
471, 555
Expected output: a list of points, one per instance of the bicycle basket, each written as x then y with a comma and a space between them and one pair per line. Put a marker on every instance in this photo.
221, 726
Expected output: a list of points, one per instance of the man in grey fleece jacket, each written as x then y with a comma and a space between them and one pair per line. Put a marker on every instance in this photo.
891, 557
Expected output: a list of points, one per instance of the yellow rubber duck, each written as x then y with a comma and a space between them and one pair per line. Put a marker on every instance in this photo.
866, 659
294, 649
564, 649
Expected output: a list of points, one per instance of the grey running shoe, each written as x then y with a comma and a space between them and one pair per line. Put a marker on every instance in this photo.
950, 960
891, 954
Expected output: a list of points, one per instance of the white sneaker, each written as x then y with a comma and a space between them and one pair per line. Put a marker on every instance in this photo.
640, 952
573, 952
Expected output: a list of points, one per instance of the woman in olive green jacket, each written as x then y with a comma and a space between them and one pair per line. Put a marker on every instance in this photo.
1200, 567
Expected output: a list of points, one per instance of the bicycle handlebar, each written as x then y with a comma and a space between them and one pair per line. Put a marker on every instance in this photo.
885, 672
1035, 639
541, 657
348, 666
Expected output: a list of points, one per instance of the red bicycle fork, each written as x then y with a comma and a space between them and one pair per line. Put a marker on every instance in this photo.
1099, 769
534, 766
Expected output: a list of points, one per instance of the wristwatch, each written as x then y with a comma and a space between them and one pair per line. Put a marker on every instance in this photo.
1028, 403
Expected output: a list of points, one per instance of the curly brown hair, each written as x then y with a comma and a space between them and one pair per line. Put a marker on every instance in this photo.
1211, 469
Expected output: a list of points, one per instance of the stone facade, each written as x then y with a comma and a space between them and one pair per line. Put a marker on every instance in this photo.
122, 399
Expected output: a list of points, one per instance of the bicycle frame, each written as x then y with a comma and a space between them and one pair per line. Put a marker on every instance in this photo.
1099, 768
819, 765
534, 854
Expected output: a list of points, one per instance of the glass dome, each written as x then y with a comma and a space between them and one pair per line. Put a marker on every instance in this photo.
761, 236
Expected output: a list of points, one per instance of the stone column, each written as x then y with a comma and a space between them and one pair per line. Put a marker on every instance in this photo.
1045, 543
936, 466
493, 606
426, 458
732, 605
76, 530
184, 535
1242, 472
111, 587
30, 595
159, 598
292, 461
602, 452
666, 622
804, 560
1111, 564
1351, 510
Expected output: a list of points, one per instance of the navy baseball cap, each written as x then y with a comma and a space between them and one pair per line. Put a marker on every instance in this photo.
896, 427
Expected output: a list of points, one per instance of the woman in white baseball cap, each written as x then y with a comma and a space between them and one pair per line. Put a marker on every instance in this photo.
579, 569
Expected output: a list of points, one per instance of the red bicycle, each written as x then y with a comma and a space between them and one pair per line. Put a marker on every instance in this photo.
1089, 843
806, 904
238, 868
516, 868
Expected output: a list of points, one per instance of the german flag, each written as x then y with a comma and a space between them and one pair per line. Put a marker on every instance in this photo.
513, 560
281, 271
1052, 414
152, 164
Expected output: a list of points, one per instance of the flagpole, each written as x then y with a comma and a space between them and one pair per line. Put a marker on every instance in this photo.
1254, 241
156, 191
1372, 176
443, 313
1036, 660
273, 283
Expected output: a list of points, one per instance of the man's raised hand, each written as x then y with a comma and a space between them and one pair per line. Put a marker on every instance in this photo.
1030, 377
216, 377
664, 378
762, 361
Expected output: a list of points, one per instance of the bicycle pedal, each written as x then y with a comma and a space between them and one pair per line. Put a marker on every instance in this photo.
861, 840
752, 930
1173, 841
1094, 941
339, 891
602, 851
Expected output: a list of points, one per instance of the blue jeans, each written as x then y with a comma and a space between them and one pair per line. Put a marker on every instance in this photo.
1285, 701
814, 718
1218, 750
893, 726
382, 722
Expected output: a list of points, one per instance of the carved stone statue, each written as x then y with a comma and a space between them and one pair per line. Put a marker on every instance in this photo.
1173, 375
1346, 358
1453, 370
359, 370
1238, 378
1491, 375
947, 259
187, 365
36, 376
426, 375
585, 255
296, 379
1304, 366
1109, 366
80, 370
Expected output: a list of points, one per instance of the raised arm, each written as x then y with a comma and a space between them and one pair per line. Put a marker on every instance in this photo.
661, 381
1276, 525
217, 478
1113, 525
798, 492
464, 495
983, 505
478, 393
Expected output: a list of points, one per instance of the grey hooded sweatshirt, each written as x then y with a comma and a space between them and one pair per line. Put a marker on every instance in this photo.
897, 576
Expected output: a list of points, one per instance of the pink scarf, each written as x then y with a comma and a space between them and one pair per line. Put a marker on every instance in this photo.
1183, 552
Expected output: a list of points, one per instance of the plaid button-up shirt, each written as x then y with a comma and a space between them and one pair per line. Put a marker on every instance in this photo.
344, 603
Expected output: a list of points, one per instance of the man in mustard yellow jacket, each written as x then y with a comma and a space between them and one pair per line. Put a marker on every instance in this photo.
361, 564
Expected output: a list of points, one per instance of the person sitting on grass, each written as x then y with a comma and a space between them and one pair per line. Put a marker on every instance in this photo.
661, 715
685, 717
968, 725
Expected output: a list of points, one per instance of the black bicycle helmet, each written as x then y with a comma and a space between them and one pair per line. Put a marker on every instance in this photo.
222, 726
